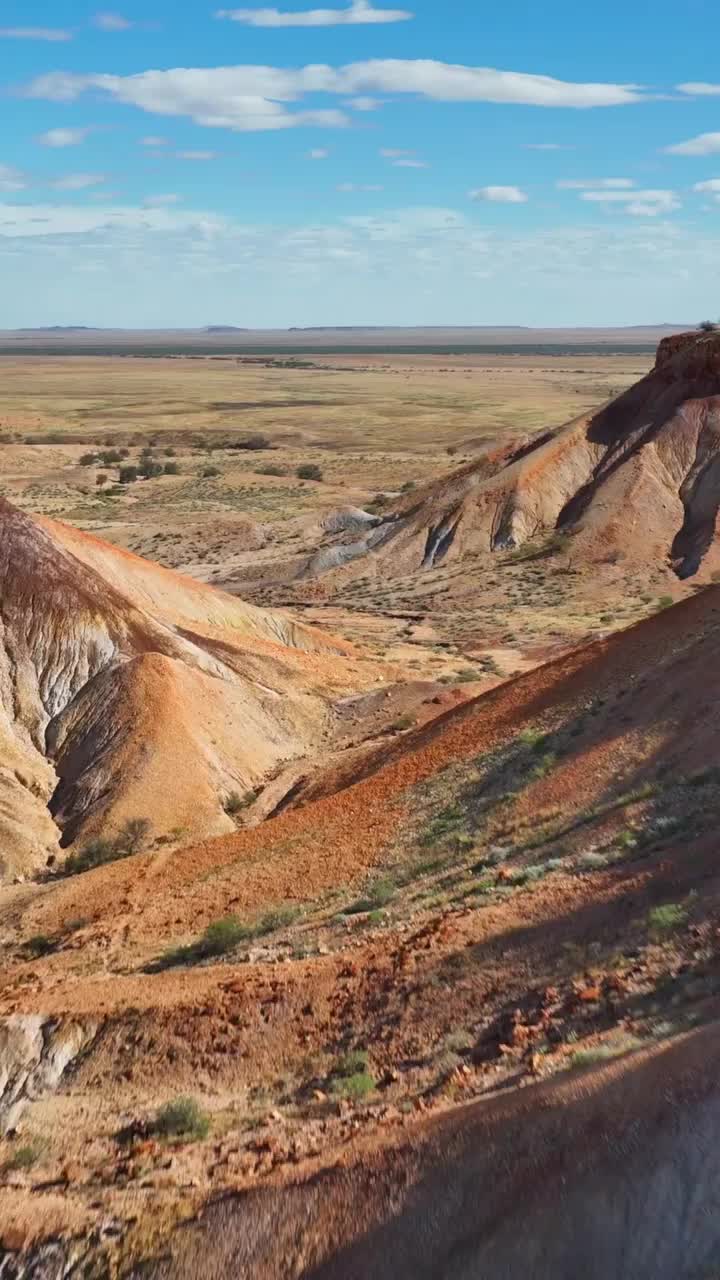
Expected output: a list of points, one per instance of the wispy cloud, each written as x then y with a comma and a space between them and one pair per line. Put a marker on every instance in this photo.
711, 184
152, 140
360, 12
158, 202
246, 98
318, 153
52, 34
699, 89
595, 184
78, 181
358, 186
64, 137
196, 155
11, 179
363, 104
706, 144
410, 164
499, 195
111, 22
547, 146
640, 204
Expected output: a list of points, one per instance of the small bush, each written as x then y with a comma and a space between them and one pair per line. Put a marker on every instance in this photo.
222, 936
149, 469
171, 469
182, 1118
272, 469
351, 1063
235, 803
99, 851
209, 473
379, 895
707, 326
128, 474
665, 602
666, 919
101, 478
402, 723
25, 1157
169, 453
40, 945
353, 1087
309, 471
88, 459
110, 457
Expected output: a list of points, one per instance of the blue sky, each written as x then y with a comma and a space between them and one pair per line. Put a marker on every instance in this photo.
379, 161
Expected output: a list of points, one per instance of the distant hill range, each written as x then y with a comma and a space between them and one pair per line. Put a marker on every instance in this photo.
234, 339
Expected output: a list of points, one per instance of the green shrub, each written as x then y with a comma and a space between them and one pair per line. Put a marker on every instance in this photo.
272, 469
351, 1063
222, 936
149, 469
88, 459
665, 919
402, 723
171, 469
379, 895
309, 471
182, 1118
234, 802
99, 851
353, 1087
40, 945
209, 473
665, 602
128, 474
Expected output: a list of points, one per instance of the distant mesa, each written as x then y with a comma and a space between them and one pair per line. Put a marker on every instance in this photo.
639, 479
225, 328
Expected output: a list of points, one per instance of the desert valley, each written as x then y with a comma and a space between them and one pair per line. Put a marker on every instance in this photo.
359, 785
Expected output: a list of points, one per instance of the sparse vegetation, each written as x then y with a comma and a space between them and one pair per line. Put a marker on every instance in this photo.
234, 802
378, 895
183, 1118
25, 1156
101, 850
309, 471
667, 919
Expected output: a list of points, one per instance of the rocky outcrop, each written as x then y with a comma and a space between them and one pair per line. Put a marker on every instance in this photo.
34, 1054
639, 479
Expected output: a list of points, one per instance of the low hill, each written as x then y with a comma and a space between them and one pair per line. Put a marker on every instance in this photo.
438, 1012
128, 692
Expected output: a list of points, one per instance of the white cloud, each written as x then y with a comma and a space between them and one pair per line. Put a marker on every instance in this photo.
111, 22
595, 184
546, 146
318, 153
11, 179
499, 195
712, 184
248, 98
51, 34
641, 204
196, 155
699, 89
153, 141
78, 181
706, 144
358, 186
363, 104
405, 266
157, 202
410, 164
360, 12
63, 137
47, 220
